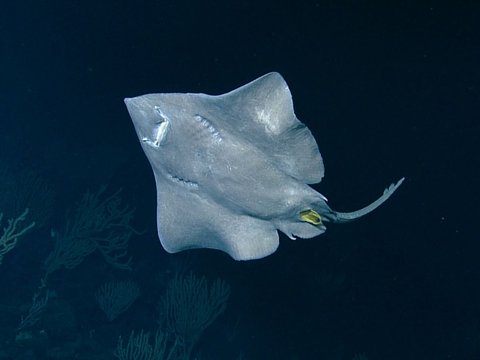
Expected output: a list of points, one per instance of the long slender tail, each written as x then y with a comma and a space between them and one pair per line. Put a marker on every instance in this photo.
340, 217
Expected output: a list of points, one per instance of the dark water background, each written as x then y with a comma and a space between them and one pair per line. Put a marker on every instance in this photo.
389, 89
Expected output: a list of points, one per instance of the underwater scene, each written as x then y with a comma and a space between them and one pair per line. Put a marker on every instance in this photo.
239, 180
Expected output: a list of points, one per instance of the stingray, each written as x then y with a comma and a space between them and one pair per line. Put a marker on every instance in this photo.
233, 169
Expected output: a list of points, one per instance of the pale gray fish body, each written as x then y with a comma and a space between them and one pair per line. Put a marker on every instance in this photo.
232, 169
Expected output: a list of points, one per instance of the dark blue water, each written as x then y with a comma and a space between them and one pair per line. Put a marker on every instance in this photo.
388, 90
